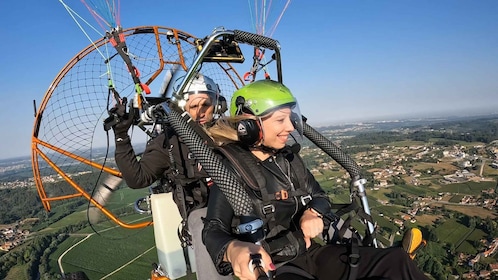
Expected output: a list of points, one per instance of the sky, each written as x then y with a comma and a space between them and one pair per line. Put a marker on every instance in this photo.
345, 61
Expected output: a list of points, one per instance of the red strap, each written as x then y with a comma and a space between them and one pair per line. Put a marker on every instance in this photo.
145, 88
247, 75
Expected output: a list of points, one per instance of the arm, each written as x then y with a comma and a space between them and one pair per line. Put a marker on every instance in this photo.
155, 160
228, 253
216, 234
320, 202
142, 173
311, 221
302, 176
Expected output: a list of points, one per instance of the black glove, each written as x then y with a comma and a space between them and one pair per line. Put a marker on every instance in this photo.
120, 120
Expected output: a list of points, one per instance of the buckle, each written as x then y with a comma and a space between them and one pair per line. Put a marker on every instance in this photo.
267, 209
250, 227
354, 259
281, 195
306, 199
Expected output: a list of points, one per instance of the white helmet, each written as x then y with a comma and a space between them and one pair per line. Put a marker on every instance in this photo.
200, 84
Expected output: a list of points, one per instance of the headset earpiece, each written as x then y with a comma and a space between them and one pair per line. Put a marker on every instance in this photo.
239, 103
221, 105
249, 131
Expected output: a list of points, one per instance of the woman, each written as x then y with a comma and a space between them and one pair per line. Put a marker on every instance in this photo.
288, 200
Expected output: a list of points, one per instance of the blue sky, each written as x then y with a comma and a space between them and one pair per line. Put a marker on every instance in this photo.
344, 60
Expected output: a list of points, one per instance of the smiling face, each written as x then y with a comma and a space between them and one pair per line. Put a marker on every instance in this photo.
277, 128
200, 107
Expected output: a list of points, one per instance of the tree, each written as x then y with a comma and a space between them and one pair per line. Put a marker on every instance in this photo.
428, 265
432, 235
472, 222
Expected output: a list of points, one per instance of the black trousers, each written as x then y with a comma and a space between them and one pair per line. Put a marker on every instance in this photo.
331, 262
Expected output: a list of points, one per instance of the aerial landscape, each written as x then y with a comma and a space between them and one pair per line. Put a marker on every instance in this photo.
438, 175
129, 119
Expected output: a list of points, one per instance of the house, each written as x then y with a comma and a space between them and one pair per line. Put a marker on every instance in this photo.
493, 267
484, 273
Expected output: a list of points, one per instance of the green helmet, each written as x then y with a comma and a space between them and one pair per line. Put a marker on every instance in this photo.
261, 97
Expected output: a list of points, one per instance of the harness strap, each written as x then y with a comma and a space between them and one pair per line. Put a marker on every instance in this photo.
353, 258
231, 152
294, 270
186, 240
178, 194
184, 235
359, 211
343, 208
183, 232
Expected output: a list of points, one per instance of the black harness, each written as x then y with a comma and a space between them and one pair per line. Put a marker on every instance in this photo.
268, 193
270, 185
190, 187
248, 169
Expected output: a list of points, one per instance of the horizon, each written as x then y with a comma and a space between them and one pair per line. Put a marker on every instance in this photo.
447, 114
399, 118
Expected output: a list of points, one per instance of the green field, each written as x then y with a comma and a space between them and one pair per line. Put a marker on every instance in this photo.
115, 254
461, 236
407, 143
467, 246
110, 251
100, 255
413, 190
456, 198
451, 231
18, 272
471, 188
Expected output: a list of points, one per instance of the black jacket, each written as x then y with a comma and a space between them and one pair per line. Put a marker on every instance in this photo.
155, 162
166, 158
284, 240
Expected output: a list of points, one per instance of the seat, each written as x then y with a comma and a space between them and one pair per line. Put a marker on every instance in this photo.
413, 241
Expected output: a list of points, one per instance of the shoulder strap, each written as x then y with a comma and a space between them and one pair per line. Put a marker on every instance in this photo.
244, 164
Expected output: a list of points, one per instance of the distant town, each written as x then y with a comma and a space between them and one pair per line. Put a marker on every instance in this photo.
427, 165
